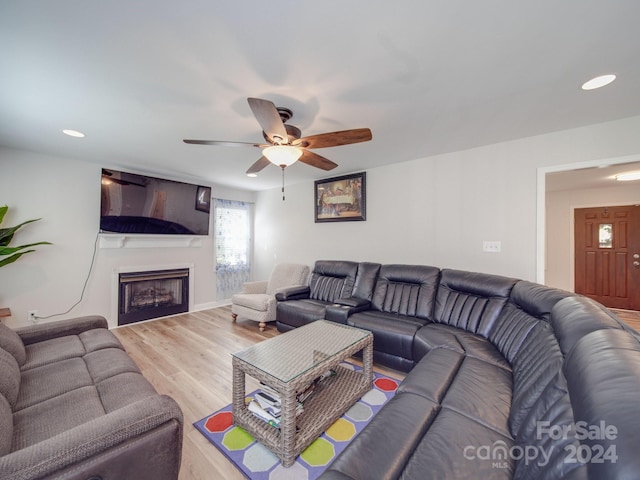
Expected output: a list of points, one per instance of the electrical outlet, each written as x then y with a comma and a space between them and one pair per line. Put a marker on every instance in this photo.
33, 316
491, 246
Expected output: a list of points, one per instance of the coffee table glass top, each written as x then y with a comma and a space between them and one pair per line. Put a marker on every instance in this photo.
288, 356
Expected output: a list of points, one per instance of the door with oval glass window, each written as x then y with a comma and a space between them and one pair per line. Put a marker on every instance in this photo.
607, 255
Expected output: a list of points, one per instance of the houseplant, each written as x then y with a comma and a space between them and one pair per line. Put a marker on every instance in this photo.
11, 254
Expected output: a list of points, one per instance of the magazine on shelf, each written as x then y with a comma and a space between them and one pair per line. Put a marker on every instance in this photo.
255, 408
266, 403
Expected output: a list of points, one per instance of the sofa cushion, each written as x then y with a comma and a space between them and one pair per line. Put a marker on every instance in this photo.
392, 333
9, 377
123, 389
53, 350
435, 335
331, 280
529, 304
455, 446
366, 280
432, 378
54, 416
551, 408
537, 364
383, 448
6, 426
12, 343
300, 312
481, 391
48, 381
471, 301
406, 290
103, 364
99, 339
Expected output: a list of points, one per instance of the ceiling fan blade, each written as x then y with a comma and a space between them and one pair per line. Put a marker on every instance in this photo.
225, 144
316, 160
259, 165
333, 139
269, 119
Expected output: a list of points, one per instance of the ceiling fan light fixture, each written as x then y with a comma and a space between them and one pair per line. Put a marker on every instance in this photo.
598, 82
282, 155
628, 176
252, 175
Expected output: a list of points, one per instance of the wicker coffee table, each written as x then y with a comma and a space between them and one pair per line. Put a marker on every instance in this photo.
288, 363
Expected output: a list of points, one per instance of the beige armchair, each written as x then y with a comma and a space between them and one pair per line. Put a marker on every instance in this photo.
257, 300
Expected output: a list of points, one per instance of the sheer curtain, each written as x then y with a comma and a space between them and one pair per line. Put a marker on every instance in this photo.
232, 243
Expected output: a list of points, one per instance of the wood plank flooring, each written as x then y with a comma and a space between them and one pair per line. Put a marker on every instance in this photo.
189, 358
630, 317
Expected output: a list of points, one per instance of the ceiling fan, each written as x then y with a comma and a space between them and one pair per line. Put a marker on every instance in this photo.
285, 144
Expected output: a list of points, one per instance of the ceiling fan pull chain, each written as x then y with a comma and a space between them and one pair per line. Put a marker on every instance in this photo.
282, 166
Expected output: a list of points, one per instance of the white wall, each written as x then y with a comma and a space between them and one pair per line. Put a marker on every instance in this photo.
66, 194
560, 223
438, 210
434, 211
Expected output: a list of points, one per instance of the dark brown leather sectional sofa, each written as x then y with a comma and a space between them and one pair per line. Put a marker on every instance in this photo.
507, 379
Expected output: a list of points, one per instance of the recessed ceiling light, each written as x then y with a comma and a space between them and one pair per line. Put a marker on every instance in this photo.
628, 176
73, 133
598, 82
252, 175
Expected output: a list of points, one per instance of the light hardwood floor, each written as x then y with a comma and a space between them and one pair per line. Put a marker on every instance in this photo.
189, 358
631, 317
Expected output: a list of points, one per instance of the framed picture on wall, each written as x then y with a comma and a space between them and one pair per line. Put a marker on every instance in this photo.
341, 199
203, 199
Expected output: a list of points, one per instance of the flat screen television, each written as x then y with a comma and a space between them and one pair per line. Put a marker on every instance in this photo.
139, 204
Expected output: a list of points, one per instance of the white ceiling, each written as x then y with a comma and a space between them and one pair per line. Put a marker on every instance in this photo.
427, 77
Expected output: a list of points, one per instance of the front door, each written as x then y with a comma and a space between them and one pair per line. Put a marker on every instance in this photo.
607, 255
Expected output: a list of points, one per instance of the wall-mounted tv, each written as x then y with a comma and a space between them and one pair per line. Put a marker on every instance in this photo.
132, 203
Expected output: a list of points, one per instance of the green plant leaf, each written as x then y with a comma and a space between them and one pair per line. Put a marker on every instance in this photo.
6, 234
11, 250
11, 254
13, 258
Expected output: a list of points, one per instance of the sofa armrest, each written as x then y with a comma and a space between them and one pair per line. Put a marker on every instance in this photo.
354, 302
61, 328
293, 293
89, 440
340, 311
255, 287
289, 288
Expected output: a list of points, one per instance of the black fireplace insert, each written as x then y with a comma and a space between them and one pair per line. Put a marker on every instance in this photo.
147, 295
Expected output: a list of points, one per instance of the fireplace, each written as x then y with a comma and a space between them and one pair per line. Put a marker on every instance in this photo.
152, 294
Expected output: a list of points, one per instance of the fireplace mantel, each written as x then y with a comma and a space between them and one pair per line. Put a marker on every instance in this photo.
110, 240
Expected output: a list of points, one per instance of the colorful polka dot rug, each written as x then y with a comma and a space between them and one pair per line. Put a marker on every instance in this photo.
257, 462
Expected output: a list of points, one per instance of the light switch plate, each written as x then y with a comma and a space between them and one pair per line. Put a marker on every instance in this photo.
491, 246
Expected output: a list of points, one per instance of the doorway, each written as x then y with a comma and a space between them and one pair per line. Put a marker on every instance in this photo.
607, 255
563, 188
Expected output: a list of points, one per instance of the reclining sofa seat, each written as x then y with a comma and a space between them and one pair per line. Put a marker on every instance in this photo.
74, 405
491, 375
331, 283
402, 303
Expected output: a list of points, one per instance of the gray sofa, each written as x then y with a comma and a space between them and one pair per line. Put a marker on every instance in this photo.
507, 379
74, 405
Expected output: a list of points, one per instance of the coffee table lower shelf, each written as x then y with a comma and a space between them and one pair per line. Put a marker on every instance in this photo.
329, 401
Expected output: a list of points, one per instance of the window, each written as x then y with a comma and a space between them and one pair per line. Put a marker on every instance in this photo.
232, 243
